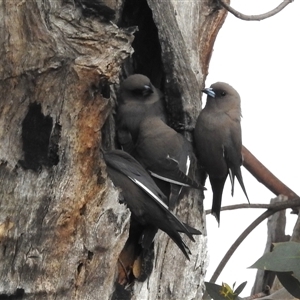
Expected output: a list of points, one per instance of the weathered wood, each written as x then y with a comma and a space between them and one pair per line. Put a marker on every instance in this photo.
65, 226
187, 30
61, 226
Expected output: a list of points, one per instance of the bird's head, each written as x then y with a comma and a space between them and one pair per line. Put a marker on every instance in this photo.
222, 95
137, 85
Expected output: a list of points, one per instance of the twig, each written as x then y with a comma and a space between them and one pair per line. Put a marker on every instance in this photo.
260, 17
275, 208
244, 205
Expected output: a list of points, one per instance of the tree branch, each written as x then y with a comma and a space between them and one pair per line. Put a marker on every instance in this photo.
260, 17
239, 206
275, 208
264, 176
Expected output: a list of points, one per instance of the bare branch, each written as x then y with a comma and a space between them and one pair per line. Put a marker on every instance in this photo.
243, 205
264, 176
238, 206
275, 208
269, 14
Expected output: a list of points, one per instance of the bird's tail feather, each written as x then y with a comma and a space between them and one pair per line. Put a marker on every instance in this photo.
231, 176
240, 180
217, 185
175, 236
192, 230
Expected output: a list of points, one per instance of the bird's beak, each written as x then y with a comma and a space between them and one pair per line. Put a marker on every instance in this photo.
147, 90
210, 92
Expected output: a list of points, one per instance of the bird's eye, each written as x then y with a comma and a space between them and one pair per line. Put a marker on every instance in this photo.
137, 92
223, 93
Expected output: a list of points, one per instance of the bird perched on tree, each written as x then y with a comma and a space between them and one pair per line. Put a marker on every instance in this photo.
219, 141
145, 200
143, 132
137, 96
166, 154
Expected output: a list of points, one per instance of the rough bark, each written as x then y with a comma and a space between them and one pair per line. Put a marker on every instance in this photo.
187, 34
186, 31
65, 226
61, 226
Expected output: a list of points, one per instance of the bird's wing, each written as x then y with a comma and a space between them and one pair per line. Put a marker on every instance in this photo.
180, 226
127, 165
170, 172
165, 153
233, 155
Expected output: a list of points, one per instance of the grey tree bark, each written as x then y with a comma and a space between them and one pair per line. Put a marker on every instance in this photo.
61, 225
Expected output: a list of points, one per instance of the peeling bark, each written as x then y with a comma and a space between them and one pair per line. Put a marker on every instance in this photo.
187, 35
61, 226
56, 70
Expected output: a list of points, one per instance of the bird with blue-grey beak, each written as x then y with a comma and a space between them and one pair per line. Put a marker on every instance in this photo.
137, 96
145, 200
167, 155
218, 140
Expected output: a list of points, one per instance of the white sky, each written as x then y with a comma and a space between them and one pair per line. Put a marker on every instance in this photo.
261, 60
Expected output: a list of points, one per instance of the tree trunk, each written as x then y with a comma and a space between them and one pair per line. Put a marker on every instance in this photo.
61, 225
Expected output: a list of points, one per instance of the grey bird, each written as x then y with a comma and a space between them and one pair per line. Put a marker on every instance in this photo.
137, 97
164, 152
145, 200
167, 155
218, 140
